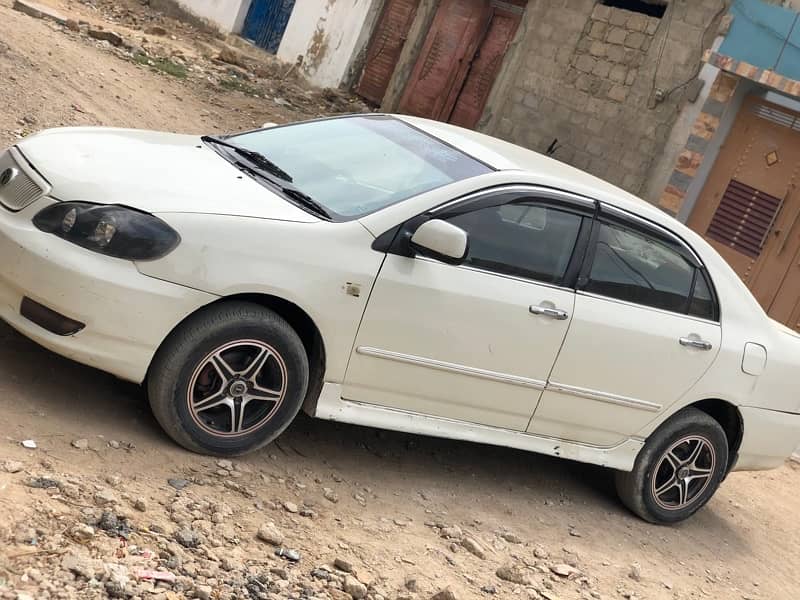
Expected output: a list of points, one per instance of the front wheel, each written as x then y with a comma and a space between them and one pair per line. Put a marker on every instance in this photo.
678, 470
229, 379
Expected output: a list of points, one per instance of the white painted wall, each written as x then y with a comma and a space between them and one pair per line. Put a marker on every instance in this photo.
325, 33
228, 15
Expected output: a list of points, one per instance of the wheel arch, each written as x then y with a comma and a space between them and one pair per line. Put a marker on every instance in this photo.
730, 419
298, 319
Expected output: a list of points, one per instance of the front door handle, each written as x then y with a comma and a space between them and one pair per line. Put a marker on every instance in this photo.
553, 313
691, 342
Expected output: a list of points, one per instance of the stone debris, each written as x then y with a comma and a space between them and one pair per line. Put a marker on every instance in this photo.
512, 573
354, 587
12, 466
81, 444
270, 534
565, 570
343, 565
473, 547
178, 483
105, 497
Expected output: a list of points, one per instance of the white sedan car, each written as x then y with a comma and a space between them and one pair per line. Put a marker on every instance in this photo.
398, 273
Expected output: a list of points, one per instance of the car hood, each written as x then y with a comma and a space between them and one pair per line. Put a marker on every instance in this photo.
151, 171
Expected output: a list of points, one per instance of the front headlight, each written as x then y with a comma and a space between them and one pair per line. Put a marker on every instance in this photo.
109, 229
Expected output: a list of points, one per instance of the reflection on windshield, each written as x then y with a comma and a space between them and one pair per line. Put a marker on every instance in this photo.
356, 165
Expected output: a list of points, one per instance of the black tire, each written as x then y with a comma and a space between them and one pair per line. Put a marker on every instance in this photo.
651, 493
206, 360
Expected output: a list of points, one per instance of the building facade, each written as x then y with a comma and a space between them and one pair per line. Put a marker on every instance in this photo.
320, 36
736, 178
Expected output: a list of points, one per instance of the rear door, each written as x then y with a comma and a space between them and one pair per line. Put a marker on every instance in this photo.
645, 328
474, 342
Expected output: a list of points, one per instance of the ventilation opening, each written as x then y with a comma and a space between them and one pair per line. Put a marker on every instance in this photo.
651, 9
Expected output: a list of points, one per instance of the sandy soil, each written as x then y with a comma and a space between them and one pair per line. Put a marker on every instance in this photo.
391, 489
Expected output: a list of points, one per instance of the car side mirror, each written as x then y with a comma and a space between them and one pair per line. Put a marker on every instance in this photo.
441, 240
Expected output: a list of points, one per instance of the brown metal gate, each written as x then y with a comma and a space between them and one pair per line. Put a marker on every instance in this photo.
385, 47
460, 60
749, 209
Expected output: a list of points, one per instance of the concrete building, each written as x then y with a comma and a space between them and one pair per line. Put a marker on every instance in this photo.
602, 82
320, 36
736, 177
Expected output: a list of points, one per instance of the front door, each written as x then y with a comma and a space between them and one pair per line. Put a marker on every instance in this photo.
384, 48
473, 342
644, 330
266, 22
749, 209
460, 60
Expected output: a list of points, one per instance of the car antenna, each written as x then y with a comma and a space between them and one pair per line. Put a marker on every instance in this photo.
551, 149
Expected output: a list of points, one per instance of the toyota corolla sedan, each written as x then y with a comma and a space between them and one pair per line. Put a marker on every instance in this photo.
397, 273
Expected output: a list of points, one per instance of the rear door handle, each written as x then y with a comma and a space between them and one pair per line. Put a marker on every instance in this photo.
691, 342
553, 313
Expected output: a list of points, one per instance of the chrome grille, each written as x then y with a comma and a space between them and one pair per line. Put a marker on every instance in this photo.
19, 186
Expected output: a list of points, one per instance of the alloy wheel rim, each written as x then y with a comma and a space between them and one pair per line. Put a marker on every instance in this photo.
683, 473
237, 388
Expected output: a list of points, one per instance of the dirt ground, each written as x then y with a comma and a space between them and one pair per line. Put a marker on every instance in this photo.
91, 512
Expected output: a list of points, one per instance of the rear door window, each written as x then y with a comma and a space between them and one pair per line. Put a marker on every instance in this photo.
630, 265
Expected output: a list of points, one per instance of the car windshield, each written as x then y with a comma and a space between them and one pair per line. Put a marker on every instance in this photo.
353, 166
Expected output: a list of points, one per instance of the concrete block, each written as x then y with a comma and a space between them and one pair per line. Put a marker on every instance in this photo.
597, 30
637, 22
634, 40
597, 146
602, 68
601, 12
616, 35
618, 73
619, 17
588, 84
598, 48
616, 54
39, 11
618, 93
585, 63
595, 125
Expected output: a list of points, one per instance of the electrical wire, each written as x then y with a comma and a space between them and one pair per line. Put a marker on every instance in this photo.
670, 13
699, 66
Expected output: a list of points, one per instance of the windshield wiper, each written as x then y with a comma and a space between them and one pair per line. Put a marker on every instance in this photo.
307, 201
258, 159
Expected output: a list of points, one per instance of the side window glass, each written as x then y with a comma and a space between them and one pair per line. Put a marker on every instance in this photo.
702, 305
637, 268
522, 239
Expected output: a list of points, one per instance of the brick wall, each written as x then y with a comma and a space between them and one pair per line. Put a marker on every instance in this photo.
587, 74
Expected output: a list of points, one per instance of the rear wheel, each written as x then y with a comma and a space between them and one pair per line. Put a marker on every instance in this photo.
229, 380
678, 470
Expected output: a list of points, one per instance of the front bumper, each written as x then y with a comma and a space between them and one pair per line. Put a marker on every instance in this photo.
126, 314
770, 437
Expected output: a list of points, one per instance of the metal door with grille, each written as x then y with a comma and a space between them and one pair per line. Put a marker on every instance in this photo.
385, 47
266, 21
749, 209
